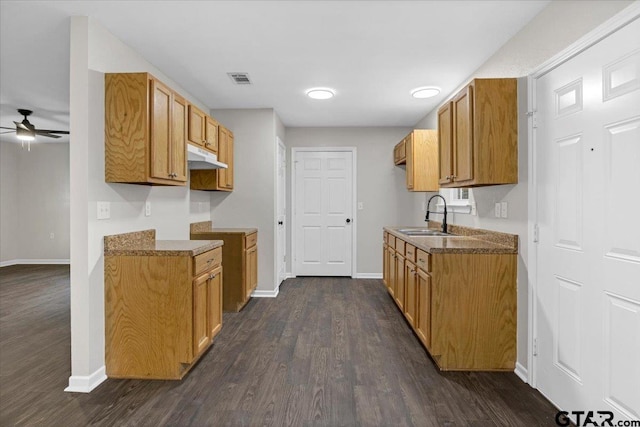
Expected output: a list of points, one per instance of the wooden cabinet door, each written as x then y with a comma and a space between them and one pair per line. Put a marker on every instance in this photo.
252, 271
385, 265
229, 171
211, 135
463, 135
161, 99
200, 323
179, 138
196, 134
400, 281
408, 146
223, 137
410, 297
445, 142
215, 302
392, 271
423, 307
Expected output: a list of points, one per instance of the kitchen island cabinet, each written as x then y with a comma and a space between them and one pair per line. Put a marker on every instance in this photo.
459, 296
163, 304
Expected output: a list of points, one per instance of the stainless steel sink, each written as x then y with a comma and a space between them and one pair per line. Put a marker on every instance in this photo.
422, 232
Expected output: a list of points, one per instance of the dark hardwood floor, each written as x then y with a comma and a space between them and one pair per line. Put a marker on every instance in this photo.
325, 352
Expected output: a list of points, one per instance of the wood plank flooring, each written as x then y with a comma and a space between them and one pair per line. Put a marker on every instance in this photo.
325, 352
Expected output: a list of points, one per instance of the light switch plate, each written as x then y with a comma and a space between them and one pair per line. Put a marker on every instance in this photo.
147, 209
104, 210
503, 212
498, 210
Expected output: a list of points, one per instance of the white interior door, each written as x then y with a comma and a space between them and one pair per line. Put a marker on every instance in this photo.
281, 206
323, 207
588, 277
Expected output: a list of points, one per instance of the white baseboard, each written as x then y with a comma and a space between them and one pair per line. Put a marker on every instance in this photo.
368, 276
84, 384
522, 373
34, 261
265, 294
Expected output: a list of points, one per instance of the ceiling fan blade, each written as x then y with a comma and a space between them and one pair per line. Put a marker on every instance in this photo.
13, 129
44, 131
20, 125
49, 135
9, 131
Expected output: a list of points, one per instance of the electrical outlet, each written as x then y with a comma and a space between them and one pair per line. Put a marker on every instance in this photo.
360, 206
104, 210
474, 209
147, 209
52, 236
498, 210
503, 210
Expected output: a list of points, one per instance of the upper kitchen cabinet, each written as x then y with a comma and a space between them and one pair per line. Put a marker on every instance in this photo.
419, 152
217, 179
145, 131
478, 135
203, 130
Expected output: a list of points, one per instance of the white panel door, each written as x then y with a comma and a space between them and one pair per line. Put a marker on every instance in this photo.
323, 204
281, 266
588, 178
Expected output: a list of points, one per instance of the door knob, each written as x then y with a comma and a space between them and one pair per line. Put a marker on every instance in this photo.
348, 220
280, 222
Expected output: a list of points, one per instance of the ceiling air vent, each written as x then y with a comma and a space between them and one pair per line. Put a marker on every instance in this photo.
240, 78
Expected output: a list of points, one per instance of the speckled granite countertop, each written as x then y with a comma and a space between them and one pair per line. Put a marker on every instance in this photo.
207, 227
464, 240
144, 243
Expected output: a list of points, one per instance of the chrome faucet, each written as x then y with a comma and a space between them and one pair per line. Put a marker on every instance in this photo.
444, 221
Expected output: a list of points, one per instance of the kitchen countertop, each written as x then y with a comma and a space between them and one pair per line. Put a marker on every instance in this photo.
205, 227
465, 240
144, 243
228, 231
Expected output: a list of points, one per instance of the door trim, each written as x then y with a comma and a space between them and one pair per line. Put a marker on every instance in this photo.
280, 144
354, 173
613, 24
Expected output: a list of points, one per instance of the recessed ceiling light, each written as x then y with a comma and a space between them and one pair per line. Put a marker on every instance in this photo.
425, 92
320, 93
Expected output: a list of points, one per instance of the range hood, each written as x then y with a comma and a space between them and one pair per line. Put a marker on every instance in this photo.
202, 159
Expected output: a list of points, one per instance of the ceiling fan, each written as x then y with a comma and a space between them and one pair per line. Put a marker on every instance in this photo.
25, 131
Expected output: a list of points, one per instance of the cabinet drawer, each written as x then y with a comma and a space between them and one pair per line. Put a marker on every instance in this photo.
410, 252
400, 246
250, 240
207, 260
391, 241
423, 260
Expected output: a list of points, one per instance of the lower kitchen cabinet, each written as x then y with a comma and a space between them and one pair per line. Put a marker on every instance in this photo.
240, 260
462, 306
161, 312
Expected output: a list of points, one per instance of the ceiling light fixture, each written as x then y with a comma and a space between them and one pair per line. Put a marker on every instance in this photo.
24, 134
320, 93
425, 92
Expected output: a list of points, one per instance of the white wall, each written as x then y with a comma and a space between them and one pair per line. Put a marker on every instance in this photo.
94, 51
252, 202
9, 208
381, 185
35, 203
551, 31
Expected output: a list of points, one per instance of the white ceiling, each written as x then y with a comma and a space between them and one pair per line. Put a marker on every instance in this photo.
371, 52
